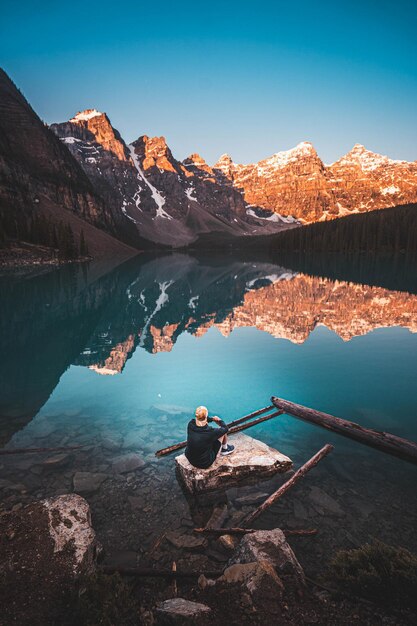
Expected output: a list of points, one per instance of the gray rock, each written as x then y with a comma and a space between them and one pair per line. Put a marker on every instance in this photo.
127, 463
133, 440
259, 578
136, 503
70, 528
326, 502
58, 460
111, 444
218, 517
252, 498
299, 510
187, 541
88, 482
272, 547
251, 459
181, 611
171, 409
227, 542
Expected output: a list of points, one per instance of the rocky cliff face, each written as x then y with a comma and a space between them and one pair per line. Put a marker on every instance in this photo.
297, 183
362, 180
170, 202
39, 175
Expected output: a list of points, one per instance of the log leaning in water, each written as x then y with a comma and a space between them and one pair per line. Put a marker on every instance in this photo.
235, 423
300, 473
386, 442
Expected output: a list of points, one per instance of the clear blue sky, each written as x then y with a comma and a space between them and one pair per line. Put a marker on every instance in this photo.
247, 78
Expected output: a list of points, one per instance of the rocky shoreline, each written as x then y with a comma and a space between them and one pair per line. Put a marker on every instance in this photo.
26, 257
50, 560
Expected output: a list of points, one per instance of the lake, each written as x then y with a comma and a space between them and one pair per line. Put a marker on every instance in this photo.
116, 360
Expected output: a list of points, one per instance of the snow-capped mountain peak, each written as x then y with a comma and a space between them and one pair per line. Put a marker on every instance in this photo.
88, 114
366, 159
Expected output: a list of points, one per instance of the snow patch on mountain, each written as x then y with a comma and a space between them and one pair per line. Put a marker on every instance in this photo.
366, 159
156, 195
70, 140
189, 193
390, 190
275, 217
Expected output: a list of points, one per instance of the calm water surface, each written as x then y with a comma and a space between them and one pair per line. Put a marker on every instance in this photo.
117, 360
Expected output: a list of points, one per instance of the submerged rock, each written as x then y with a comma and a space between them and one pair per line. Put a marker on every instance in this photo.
88, 482
181, 611
187, 542
326, 502
251, 459
127, 463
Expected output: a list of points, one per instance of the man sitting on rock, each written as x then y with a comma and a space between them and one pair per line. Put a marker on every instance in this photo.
203, 441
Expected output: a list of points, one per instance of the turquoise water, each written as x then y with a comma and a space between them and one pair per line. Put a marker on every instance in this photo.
91, 356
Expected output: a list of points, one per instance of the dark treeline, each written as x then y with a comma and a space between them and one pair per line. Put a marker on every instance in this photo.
41, 230
375, 248
387, 231
389, 270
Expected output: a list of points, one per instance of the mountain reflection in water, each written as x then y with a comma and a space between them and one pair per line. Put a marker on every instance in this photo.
88, 317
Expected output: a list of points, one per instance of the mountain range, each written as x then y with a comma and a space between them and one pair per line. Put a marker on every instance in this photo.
129, 196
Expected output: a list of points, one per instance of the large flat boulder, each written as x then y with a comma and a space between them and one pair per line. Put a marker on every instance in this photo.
251, 459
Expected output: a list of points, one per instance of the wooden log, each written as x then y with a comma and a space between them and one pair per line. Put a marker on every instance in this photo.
265, 418
386, 442
245, 418
156, 573
218, 532
302, 532
39, 450
300, 473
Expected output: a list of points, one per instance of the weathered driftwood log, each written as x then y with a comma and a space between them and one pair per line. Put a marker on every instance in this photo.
233, 426
33, 450
218, 532
397, 446
157, 573
302, 471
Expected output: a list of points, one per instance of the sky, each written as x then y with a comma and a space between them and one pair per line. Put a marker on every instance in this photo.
246, 78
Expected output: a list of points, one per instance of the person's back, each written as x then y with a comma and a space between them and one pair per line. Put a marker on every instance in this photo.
203, 441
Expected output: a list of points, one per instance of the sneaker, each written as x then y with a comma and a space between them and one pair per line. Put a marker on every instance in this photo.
228, 450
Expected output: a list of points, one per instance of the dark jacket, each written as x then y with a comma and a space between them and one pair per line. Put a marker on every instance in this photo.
202, 443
